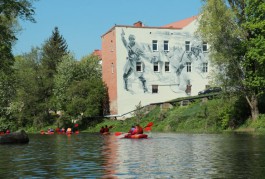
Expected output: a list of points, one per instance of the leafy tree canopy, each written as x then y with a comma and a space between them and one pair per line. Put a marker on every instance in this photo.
10, 10
235, 31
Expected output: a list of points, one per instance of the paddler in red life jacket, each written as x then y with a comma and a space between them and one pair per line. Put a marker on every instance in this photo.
102, 130
106, 129
139, 129
132, 130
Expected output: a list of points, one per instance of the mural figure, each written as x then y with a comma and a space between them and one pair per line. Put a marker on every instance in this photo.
179, 59
135, 53
177, 56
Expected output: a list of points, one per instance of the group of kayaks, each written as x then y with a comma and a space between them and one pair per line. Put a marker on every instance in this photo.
124, 135
58, 132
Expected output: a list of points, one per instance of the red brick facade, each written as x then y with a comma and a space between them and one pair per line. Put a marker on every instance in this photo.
109, 72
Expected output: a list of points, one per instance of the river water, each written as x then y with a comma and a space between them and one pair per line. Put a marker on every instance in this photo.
162, 155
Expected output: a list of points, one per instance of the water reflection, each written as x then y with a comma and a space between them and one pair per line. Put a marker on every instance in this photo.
161, 156
109, 153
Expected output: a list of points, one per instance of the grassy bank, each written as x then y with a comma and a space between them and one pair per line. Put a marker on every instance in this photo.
201, 116
220, 114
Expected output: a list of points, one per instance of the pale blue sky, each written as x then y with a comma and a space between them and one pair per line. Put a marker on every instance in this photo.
83, 22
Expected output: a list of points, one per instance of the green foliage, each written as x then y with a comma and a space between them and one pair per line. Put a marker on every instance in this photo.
67, 71
7, 124
139, 112
84, 97
235, 31
53, 51
255, 46
257, 125
26, 103
10, 10
79, 89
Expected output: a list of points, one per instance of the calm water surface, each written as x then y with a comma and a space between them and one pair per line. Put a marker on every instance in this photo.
163, 155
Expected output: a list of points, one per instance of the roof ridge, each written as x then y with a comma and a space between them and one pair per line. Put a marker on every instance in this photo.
181, 23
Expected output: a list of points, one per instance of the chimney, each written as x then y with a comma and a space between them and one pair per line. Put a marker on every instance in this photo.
138, 24
97, 53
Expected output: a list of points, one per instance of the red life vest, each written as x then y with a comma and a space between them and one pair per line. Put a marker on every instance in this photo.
101, 130
140, 130
106, 129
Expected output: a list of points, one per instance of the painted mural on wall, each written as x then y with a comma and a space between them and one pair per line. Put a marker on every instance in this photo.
179, 57
135, 54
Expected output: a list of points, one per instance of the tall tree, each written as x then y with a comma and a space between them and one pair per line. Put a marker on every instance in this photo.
27, 104
53, 51
235, 31
10, 12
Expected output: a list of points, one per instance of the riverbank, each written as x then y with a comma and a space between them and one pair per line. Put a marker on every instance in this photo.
212, 116
217, 115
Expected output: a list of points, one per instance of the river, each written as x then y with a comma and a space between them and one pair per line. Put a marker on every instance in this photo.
162, 155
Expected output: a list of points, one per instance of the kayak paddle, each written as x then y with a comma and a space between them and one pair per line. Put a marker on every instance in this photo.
118, 133
150, 124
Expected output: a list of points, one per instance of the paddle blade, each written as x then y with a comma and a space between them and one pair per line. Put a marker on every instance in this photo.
150, 124
117, 133
147, 129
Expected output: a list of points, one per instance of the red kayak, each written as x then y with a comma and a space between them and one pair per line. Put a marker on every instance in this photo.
136, 136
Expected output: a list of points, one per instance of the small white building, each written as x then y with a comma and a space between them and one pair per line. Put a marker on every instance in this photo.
153, 64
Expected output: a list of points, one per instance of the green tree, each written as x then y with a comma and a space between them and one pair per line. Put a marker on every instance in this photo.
234, 29
54, 49
10, 10
139, 112
79, 87
26, 103
66, 73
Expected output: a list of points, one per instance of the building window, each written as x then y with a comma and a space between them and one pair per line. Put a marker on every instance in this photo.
187, 45
139, 66
204, 47
112, 68
188, 64
204, 67
154, 88
167, 69
166, 47
156, 67
155, 45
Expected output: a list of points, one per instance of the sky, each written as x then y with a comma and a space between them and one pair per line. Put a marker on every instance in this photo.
83, 22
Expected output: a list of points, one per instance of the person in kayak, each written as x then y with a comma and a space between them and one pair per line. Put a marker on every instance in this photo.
102, 130
132, 130
69, 130
106, 129
139, 129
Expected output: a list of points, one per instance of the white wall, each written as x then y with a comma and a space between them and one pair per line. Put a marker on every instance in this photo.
171, 85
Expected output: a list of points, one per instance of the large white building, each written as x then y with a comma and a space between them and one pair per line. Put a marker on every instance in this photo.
153, 64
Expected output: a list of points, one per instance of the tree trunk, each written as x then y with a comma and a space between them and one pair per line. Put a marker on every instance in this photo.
253, 103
